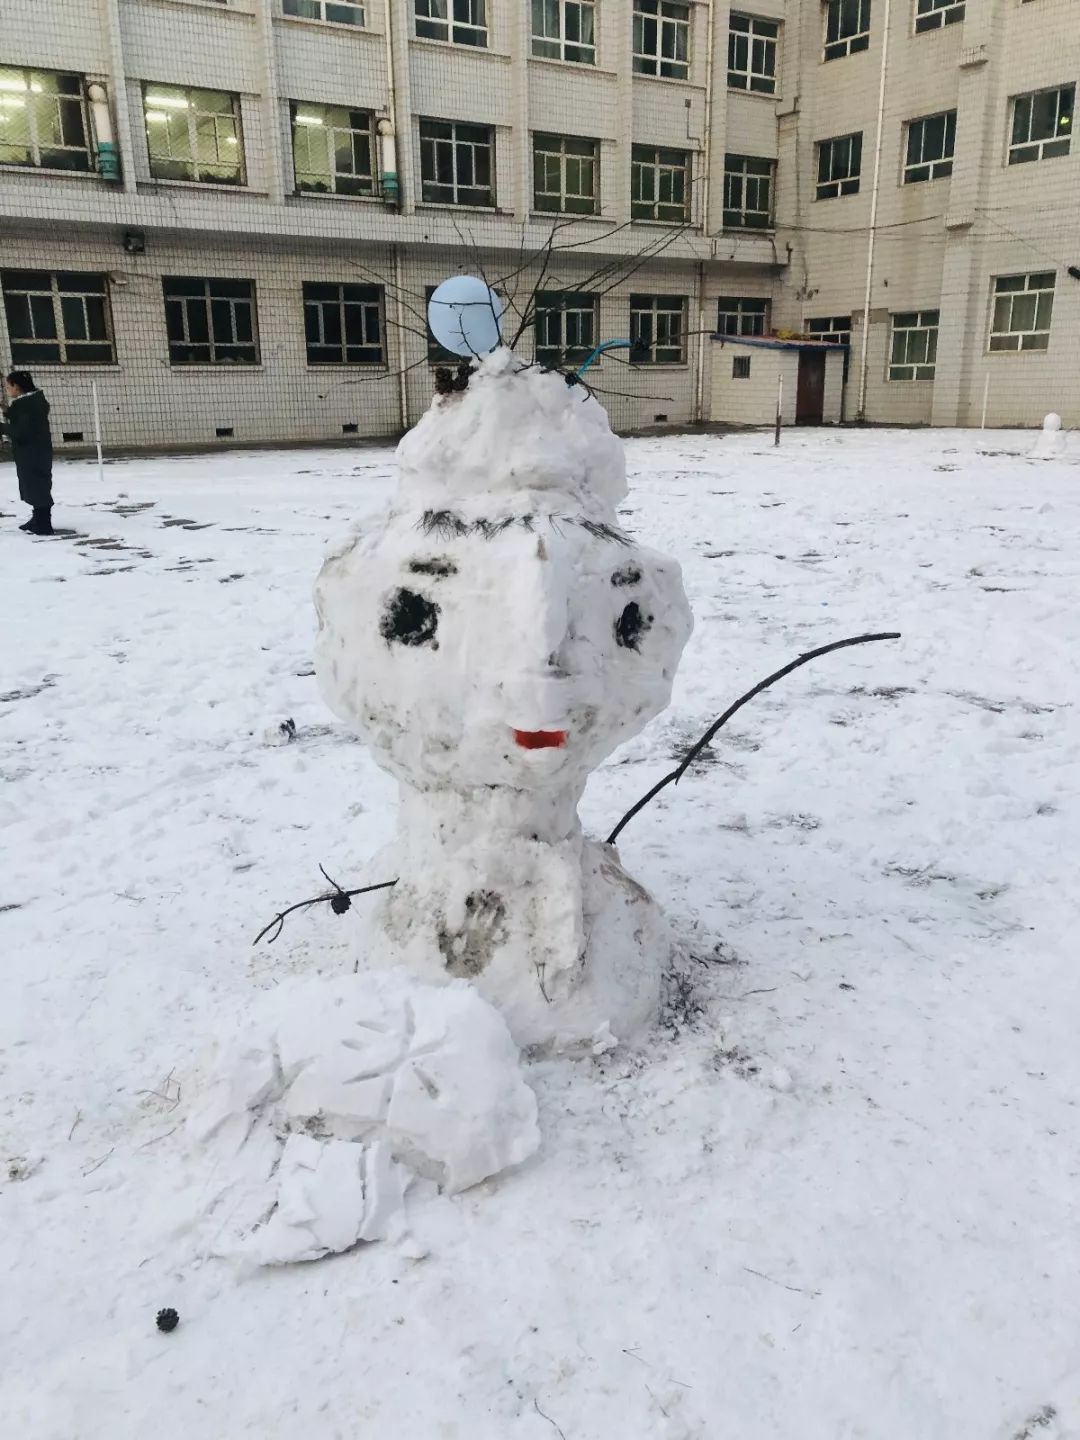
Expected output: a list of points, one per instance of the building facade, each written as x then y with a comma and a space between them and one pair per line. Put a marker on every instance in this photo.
222, 217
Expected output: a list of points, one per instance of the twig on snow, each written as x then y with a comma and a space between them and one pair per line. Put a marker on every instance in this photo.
338, 899
75, 1123
796, 1289
676, 775
98, 1163
536, 1406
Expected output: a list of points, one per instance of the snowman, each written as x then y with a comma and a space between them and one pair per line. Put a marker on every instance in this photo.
493, 636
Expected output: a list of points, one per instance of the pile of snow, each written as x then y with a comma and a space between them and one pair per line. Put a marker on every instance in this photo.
1051, 442
348, 1089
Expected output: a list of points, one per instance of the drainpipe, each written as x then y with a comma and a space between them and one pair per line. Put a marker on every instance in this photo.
388, 125
399, 306
706, 186
111, 13
864, 357
108, 158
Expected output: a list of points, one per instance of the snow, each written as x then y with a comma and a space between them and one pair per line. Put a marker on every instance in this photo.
493, 641
834, 1195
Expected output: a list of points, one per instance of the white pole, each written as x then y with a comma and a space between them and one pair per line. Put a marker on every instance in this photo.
779, 406
864, 353
986, 399
97, 431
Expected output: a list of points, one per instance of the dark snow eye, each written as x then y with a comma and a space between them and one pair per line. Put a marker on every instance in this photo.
631, 625
630, 576
409, 619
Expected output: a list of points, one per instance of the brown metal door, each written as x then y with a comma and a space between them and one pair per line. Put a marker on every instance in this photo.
810, 398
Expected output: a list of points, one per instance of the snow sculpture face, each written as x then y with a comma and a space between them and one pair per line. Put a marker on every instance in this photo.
496, 627
518, 650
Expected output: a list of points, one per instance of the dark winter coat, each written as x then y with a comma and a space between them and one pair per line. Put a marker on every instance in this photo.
27, 427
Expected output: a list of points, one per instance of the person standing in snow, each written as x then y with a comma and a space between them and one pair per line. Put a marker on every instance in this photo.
26, 425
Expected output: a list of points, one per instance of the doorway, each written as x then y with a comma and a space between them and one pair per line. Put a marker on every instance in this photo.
810, 396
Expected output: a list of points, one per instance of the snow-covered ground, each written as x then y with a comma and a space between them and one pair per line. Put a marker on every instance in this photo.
837, 1196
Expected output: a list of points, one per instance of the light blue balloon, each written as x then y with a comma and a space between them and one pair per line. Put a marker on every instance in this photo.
464, 316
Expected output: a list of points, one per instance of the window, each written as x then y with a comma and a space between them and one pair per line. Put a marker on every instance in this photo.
930, 145
436, 354
847, 27
839, 165
564, 174
1041, 124
332, 150
210, 322
748, 192
658, 329
343, 324
338, 12
564, 30
742, 315
463, 22
932, 14
914, 345
566, 327
751, 54
43, 120
834, 328
662, 38
193, 135
456, 163
58, 319
659, 184
740, 367
1023, 304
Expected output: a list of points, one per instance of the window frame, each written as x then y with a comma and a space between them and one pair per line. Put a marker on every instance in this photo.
560, 41
664, 164
922, 368
825, 327
212, 343
563, 304
740, 367
450, 23
847, 184
1050, 147
936, 167
665, 25
370, 303
752, 316
566, 159
193, 115
1002, 289
770, 47
47, 286
60, 103
737, 169
931, 15
301, 10
330, 131
852, 40
459, 143
644, 352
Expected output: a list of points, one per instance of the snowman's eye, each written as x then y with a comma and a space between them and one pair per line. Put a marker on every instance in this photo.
409, 619
631, 625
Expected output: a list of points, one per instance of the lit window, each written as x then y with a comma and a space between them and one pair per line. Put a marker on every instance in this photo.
332, 150
751, 59
564, 30
210, 322
58, 319
662, 38
193, 135
659, 184
1041, 124
839, 166
564, 174
343, 324
658, 329
43, 120
930, 145
1022, 308
913, 351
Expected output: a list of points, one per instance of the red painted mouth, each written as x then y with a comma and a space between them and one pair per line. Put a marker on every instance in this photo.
540, 739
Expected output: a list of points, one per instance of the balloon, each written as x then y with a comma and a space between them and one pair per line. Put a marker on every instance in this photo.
464, 316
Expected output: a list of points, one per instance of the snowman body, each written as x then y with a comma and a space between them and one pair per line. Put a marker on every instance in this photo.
493, 636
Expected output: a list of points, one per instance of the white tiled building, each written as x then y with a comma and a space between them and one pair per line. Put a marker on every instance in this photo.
227, 213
